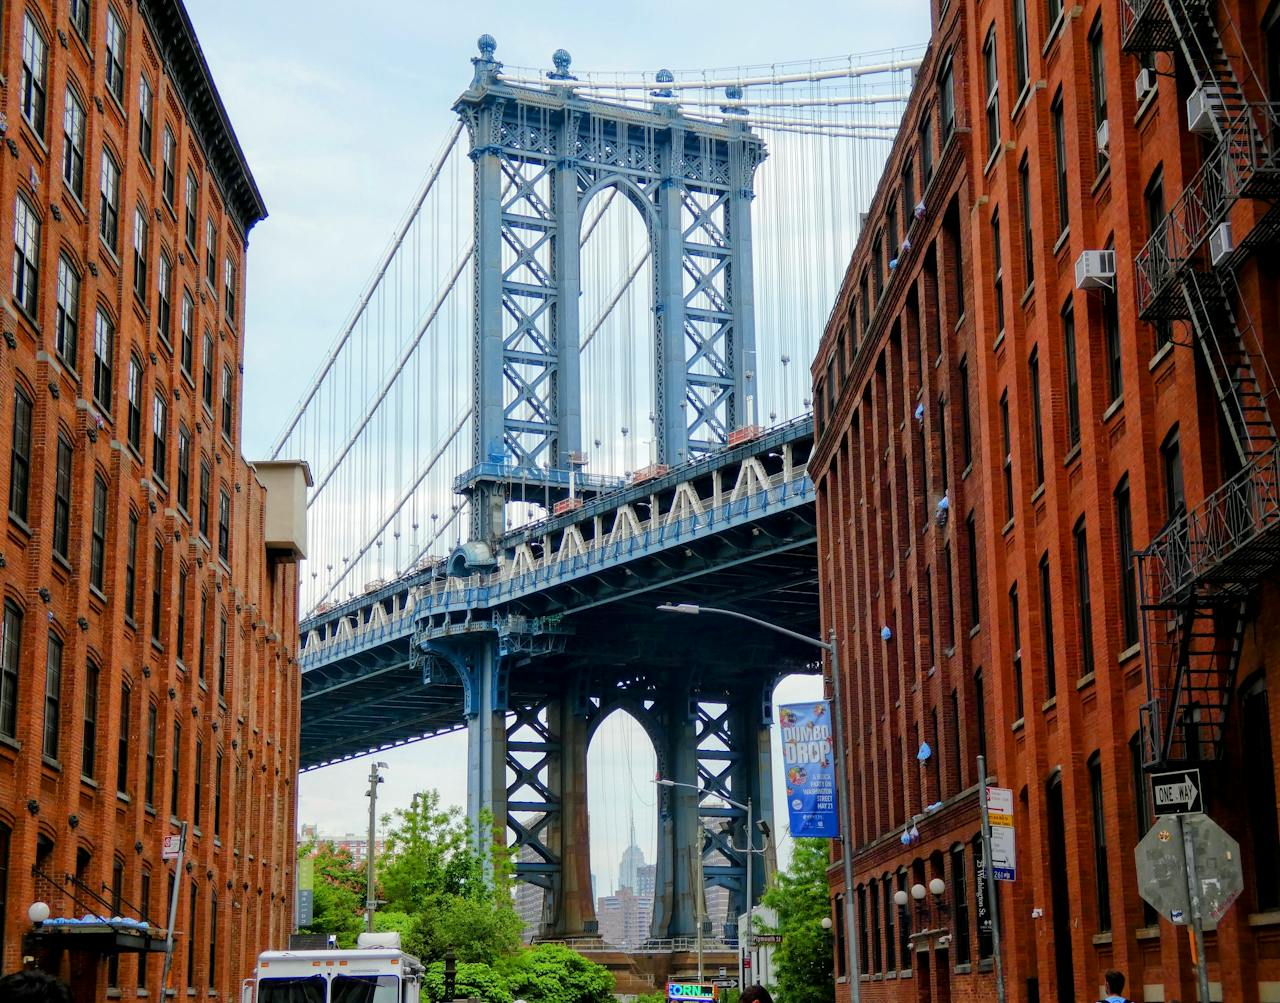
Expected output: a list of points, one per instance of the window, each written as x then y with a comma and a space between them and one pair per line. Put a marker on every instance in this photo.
213, 944
164, 298
175, 758
926, 150
131, 567
146, 128
73, 144
877, 268
62, 499
1128, 570
98, 535
1175, 502
191, 942
224, 525
971, 550
10, 654
1016, 625
109, 190
890, 941
159, 435
1037, 434
1153, 197
103, 352
123, 744
149, 778
168, 162
180, 645
35, 55
133, 404
1259, 766
211, 253
993, 91
1084, 605
190, 210
20, 455
89, 749
1143, 816
997, 275
78, 12
198, 789
184, 468
1060, 159
201, 634
1007, 465
66, 329
1046, 628
947, 99
877, 959
1111, 330
1028, 238
117, 894
966, 414
205, 475
186, 319
1073, 378
140, 253
1053, 9
1020, 43
960, 905
206, 378
1097, 76
217, 794
951, 602
6, 835
908, 192
222, 656
115, 55
26, 255
157, 591
1102, 882
52, 696
229, 280
228, 400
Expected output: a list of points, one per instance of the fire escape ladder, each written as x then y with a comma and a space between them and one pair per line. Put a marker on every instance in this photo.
1242, 381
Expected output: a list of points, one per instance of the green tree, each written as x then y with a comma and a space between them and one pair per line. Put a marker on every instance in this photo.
800, 898
471, 981
338, 902
454, 897
551, 973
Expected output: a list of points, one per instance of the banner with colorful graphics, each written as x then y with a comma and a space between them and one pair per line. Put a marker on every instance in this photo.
808, 757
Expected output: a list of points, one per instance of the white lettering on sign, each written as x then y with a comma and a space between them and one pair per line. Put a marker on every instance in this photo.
806, 743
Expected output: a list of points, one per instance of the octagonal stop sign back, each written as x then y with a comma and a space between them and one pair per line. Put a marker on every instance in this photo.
1162, 868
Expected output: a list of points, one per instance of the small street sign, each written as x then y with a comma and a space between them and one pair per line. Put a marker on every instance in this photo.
767, 938
1000, 815
726, 983
1161, 859
172, 847
1177, 792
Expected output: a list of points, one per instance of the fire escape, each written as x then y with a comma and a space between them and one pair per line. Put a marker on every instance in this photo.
1200, 573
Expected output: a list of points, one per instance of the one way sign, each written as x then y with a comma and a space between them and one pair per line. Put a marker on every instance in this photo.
1177, 792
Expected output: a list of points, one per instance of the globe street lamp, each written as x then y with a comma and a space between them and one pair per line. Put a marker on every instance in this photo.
846, 856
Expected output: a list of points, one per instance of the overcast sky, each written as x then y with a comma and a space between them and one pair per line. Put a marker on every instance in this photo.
339, 109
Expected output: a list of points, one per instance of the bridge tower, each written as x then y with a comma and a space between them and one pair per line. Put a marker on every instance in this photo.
540, 155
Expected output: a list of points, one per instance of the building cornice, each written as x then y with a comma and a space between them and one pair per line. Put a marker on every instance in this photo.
184, 60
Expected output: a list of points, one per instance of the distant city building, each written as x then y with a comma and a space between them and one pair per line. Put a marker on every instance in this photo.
624, 918
529, 897
357, 846
646, 879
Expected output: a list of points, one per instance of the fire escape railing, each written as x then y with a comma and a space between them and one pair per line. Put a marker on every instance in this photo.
1250, 147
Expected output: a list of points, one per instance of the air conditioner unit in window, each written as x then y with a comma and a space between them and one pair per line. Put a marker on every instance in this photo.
1220, 244
1145, 83
1203, 105
1096, 270
1104, 138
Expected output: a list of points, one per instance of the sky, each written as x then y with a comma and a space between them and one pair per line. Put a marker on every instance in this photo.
339, 109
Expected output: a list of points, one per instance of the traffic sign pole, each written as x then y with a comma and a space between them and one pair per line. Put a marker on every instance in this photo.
1193, 898
989, 876
173, 910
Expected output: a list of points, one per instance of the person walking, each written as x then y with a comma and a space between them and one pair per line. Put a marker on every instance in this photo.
1115, 987
34, 986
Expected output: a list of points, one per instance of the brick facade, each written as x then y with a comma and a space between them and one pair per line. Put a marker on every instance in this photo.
155, 585
950, 375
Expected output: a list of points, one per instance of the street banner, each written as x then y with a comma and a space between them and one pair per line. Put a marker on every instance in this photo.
809, 762
306, 891
1000, 815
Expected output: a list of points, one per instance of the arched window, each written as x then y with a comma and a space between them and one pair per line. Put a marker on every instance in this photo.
1102, 881
1259, 765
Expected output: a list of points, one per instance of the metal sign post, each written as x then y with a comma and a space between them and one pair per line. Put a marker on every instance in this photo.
988, 872
1193, 898
168, 853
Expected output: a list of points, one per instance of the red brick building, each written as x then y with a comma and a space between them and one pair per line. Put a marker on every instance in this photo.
1006, 420
147, 664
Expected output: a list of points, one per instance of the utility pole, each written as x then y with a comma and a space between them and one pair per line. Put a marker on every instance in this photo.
371, 903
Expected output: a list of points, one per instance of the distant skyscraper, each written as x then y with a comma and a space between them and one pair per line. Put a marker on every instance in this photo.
528, 899
646, 879
632, 862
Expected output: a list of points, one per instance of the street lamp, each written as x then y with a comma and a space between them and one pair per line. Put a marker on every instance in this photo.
370, 903
846, 857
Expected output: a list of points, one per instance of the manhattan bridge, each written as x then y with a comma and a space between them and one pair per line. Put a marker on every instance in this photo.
575, 388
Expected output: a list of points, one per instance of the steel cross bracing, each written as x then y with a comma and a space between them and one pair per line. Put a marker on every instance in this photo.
540, 155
